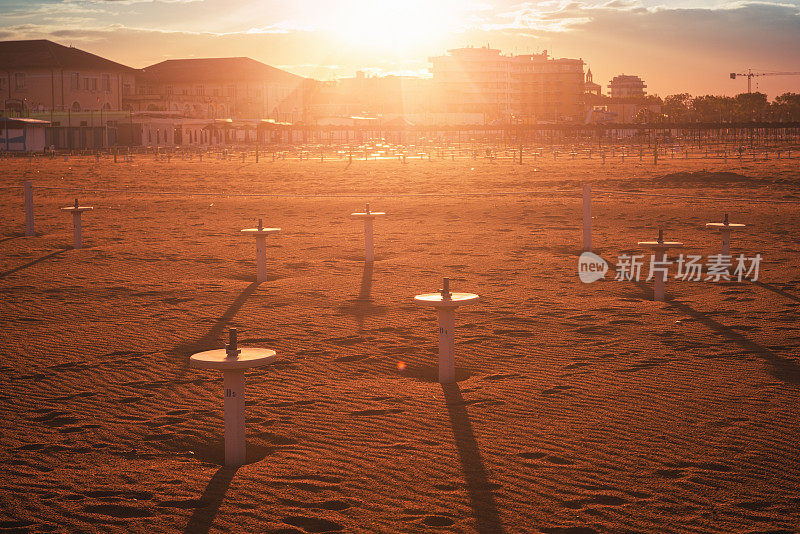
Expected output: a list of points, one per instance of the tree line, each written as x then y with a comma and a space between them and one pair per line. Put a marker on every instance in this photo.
743, 107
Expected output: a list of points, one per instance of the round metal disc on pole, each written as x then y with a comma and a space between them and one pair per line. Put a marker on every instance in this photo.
233, 362
77, 210
725, 228
260, 233
368, 217
445, 304
660, 247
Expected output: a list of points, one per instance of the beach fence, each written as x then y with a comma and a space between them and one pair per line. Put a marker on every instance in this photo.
653, 148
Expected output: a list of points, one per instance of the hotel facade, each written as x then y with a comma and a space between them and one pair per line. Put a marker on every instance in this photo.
507, 88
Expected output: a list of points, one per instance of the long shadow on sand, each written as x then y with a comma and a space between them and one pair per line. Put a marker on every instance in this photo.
363, 306
33, 262
215, 332
481, 499
9, 238
211, 500
774, 289
781, 368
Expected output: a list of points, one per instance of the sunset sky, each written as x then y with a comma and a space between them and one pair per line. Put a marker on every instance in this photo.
675, 46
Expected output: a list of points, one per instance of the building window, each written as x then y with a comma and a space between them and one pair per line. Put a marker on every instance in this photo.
230, 90
168, 89
86, 84
2, 84
126, 89
75, 106
200, 90
19, 81
106, 82
215, 92
94, 84
74, 81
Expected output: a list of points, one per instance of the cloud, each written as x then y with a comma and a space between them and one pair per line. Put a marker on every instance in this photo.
281, 27
129, 2
52, 11
675, 49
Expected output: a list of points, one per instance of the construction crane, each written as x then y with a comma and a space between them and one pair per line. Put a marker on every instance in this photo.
750, 75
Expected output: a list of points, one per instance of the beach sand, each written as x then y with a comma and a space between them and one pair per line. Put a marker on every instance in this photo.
579, 408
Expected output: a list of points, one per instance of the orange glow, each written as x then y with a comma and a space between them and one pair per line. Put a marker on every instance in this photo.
392, 25
401, 366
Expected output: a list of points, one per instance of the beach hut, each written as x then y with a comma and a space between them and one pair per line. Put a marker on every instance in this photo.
22, 135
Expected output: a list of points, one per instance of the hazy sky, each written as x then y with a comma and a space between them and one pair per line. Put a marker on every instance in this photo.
675, 46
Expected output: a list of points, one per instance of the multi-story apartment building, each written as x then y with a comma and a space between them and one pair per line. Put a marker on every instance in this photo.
473, 80
531, 87
220, 88
625, 86
545, 89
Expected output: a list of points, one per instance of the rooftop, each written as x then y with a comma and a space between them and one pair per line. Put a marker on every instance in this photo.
217, 69
44, 54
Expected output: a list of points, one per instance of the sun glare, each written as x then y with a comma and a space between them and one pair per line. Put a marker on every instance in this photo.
392, 25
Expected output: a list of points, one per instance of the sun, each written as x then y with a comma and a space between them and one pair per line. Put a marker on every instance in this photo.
392, 25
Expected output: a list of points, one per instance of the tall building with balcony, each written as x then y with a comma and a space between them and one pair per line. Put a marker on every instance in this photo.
473, 80
508, 88
626, 86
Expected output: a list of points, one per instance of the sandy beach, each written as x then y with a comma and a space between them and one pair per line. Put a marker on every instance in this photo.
579, 408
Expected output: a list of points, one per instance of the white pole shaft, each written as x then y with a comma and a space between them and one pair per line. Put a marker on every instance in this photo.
261, 259
77, 238
447, 364
726, 242
29, 231
369, 248
659, 279
235, 452
587, 218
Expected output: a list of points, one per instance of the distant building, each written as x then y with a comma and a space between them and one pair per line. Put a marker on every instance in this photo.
79, 94
624, 86
591, 88
40, 75
522, 88
372, 96
220, 88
